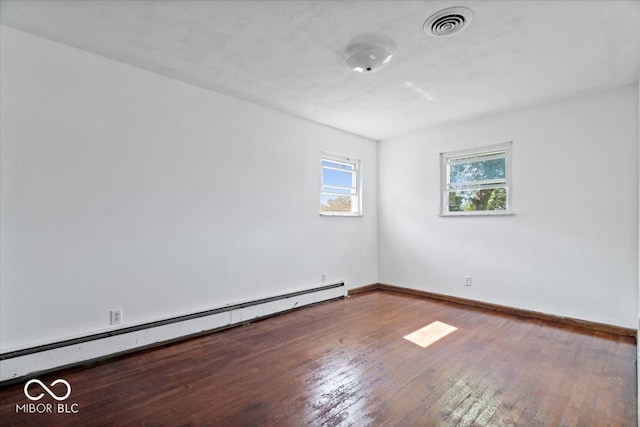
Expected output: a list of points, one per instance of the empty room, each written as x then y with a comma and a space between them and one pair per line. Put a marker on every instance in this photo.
319, 213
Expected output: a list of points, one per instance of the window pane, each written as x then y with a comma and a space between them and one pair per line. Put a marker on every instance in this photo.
331, 203
480, 170
338, 190
478, 200
336, 165
337, 178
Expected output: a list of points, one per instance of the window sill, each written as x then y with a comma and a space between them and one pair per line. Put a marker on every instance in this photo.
340, 214
481, 213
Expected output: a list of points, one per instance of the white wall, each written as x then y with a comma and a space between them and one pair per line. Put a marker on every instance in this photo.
125, 189
572, 247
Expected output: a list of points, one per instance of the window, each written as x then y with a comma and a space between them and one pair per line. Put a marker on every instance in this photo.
340, 193
477, 181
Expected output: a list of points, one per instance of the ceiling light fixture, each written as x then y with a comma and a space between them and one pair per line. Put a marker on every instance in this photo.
367, 57
448, 21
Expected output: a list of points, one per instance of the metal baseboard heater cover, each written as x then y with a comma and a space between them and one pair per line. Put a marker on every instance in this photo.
20, 363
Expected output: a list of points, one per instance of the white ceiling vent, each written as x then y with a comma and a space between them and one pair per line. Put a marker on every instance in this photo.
448, 21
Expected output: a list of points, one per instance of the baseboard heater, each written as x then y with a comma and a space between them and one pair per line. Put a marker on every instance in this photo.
18, 364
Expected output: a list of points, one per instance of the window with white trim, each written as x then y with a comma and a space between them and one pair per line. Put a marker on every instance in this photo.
340, 193
476, 181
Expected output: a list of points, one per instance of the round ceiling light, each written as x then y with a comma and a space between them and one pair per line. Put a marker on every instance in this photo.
367, 57
448, 21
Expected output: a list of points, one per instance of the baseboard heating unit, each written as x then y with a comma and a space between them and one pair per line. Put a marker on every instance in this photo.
18, 364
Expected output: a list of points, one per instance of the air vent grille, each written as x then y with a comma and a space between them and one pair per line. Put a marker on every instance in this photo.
448, 21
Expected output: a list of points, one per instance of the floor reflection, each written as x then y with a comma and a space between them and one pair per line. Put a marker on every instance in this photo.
429, 334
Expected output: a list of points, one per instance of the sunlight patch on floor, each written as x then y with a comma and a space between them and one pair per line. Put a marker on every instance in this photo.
431, 333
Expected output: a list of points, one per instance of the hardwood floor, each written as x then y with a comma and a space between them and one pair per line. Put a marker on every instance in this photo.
346, 363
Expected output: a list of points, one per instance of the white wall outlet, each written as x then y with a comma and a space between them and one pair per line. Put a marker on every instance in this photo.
467, 280
116, 316
323, 277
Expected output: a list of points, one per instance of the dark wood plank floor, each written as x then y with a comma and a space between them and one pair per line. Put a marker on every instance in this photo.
346, 363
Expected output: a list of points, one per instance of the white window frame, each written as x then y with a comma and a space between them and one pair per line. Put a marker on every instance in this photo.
355, 188
499, 151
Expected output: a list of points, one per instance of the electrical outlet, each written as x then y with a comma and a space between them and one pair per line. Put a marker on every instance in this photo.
467, 280
116, 316
323, 277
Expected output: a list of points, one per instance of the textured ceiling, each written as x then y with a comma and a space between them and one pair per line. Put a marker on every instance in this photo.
288, 55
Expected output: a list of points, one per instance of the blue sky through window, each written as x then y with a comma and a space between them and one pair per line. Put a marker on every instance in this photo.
340, 175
